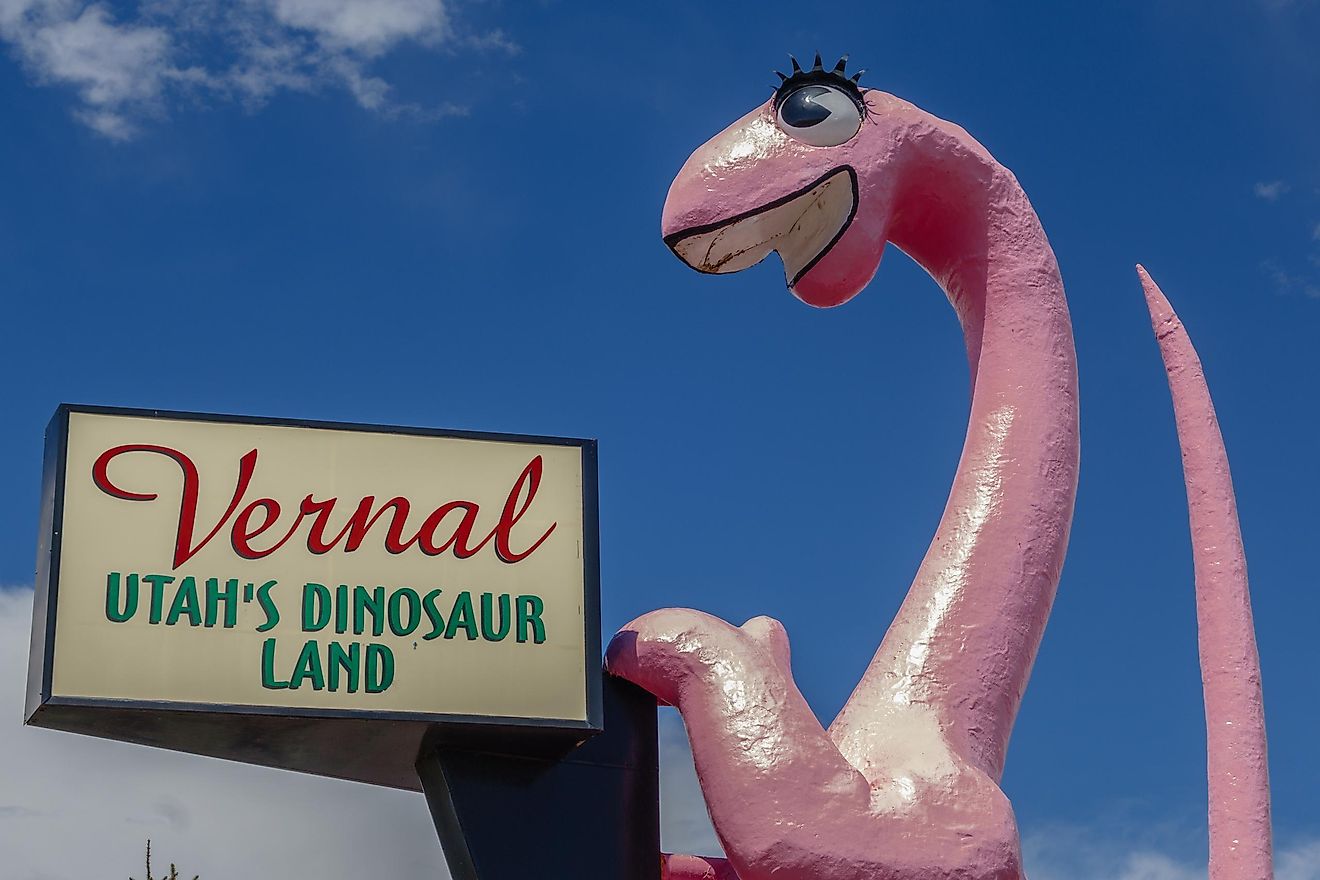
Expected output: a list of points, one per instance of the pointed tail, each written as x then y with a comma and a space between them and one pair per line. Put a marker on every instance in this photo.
1240, 844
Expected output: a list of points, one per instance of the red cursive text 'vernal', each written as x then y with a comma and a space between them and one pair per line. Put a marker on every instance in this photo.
258, 517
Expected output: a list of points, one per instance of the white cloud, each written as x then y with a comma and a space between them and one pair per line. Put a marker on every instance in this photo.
496, 40
73, 807
1280, 6
125, 71
1300, 861
1057, 852
1271, 191
1076, 853
1072, 853
117, 70
684, 823
370, 27
1289, 283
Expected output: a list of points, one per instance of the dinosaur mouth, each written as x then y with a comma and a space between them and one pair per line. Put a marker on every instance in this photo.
801, 227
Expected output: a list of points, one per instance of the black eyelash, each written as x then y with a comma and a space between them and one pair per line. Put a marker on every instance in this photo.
818, 75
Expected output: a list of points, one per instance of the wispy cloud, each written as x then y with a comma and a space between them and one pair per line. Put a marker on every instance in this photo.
127, 70
1077, 853
1290, 283
1105, 850
496, 40
1300, 861
684, 823
1271, 191
1283, 274
1285, 5
74, 807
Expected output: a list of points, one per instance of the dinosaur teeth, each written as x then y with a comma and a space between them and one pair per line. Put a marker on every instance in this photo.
801, 227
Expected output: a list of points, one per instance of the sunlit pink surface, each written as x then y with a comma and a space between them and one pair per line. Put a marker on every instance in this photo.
904, 783
1240, 839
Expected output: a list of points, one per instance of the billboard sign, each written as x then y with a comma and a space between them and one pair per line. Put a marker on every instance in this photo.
214, 564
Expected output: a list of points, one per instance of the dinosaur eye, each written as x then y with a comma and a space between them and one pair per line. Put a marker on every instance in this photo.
819, 115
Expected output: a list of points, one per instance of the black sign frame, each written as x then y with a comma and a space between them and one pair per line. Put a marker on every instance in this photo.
261, 734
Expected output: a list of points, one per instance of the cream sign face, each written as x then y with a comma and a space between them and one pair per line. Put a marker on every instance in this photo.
200, 563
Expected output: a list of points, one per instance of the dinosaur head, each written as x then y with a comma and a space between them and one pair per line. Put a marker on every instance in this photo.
802, 175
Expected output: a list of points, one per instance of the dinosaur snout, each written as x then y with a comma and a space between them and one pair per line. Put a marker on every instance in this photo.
752, 191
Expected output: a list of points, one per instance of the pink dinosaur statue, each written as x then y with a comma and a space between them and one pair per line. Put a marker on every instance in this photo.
904, 785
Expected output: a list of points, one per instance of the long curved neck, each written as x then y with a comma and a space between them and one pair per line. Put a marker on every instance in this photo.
963, 643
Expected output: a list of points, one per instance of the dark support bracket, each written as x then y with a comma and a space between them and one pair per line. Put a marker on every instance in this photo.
591, 810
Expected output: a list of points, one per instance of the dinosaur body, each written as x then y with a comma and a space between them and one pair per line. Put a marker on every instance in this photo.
904, 784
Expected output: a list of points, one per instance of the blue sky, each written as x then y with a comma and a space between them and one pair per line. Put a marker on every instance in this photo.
415, 213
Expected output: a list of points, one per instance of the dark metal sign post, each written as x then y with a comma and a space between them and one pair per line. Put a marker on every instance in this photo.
592, 810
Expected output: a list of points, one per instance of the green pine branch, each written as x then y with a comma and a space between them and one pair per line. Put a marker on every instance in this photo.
174, 872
